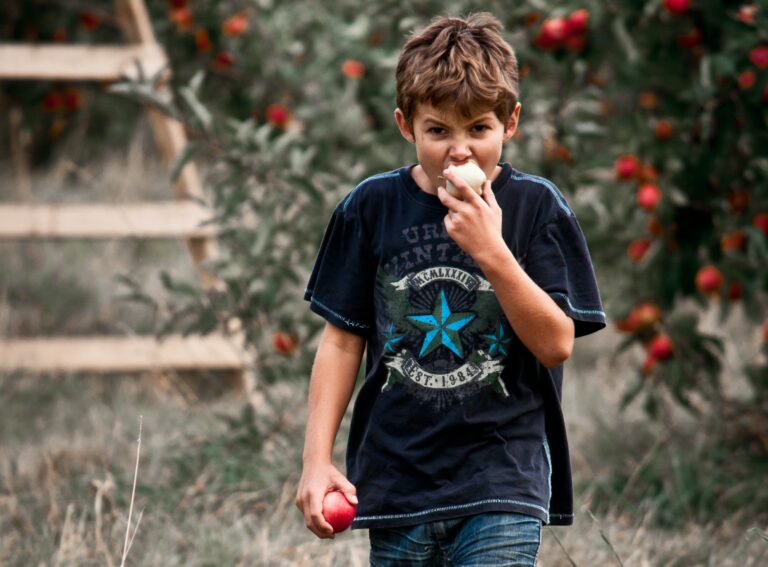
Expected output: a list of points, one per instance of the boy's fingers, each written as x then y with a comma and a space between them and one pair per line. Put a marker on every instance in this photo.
447, 199
314, 519
348, 489
468, 194
488, 195
350, 492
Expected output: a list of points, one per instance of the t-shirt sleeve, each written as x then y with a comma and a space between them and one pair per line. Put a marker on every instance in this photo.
558, 261
340, 288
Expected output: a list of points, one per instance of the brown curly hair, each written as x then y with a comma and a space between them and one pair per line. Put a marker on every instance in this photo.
461, 62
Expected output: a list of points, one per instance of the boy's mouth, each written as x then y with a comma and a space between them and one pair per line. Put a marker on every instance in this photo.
462, 162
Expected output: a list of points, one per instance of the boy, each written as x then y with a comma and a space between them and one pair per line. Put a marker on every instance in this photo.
467, 309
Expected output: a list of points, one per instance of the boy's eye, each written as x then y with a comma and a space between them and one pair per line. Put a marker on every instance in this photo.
436, 130
479, 128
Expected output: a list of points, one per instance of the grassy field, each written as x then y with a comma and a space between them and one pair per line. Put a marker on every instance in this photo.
216, 481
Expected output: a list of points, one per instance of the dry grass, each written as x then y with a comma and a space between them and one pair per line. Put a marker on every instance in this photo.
216, 485
66, 485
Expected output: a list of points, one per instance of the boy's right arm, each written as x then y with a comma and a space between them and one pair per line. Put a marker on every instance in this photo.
334, 373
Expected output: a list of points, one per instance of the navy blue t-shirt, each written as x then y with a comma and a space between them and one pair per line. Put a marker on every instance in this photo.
455, 416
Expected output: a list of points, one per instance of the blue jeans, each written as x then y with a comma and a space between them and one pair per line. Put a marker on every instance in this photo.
495, 539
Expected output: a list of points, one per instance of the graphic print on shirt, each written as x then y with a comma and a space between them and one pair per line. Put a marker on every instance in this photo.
442, 329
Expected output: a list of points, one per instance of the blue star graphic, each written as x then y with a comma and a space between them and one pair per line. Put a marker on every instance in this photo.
441, 327
499, 341
392, 340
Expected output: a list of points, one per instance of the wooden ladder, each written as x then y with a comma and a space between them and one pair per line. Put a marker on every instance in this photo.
180, 218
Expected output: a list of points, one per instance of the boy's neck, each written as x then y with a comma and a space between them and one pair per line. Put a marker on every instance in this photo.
425, 184
422, 180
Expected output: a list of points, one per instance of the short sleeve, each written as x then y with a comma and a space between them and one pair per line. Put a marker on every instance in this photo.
340, 288
558, 261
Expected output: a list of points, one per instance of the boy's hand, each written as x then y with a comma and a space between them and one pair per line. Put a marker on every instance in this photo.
316, 481
474, 223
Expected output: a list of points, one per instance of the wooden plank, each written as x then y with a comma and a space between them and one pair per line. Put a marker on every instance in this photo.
78, 62
133, 19
141, 220
119, 354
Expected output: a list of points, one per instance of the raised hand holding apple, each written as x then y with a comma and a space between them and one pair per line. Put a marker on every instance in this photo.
473, 221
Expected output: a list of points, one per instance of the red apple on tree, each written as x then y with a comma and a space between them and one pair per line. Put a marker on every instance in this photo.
649, 365
648, 196
278, 115
747, 14
677, 7
90, 20
654, 226
663, 129
709, 280
338, 511
739, 199
761, 222
577, 22
53, 101
224, 59
203, 40
552, 33
353, 68
637, 249
627, 167
661, 347
746, 79
182, 17
647, 173
731, 241
235, 25
735, 290
690, 39
643, 317
284, 343
759, 56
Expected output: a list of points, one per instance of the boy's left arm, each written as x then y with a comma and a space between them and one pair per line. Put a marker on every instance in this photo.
475, 225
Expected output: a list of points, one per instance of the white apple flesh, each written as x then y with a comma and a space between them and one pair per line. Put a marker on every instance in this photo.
469, 172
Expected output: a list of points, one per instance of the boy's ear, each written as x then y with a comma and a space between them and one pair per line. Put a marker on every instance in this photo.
402, 124
511, 126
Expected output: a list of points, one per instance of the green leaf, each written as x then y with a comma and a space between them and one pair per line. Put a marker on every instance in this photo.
201, 113
196, 83
184, 157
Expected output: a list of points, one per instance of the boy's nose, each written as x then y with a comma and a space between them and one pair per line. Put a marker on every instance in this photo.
459, 152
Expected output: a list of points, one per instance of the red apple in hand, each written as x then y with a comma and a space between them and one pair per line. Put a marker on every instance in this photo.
338, 511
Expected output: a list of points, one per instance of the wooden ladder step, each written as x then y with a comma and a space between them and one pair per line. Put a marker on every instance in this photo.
78, 62
141, 220
119, 354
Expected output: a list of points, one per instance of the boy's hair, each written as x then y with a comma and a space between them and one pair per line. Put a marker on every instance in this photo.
461, 62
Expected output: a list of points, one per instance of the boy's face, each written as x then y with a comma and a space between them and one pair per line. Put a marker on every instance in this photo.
444, 137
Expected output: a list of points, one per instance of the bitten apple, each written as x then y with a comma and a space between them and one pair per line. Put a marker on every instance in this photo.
469, 172
338, 511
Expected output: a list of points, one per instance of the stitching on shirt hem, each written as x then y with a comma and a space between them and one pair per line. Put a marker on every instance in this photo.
455, 507
349, 322
576, 309
549, 185
549, 464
